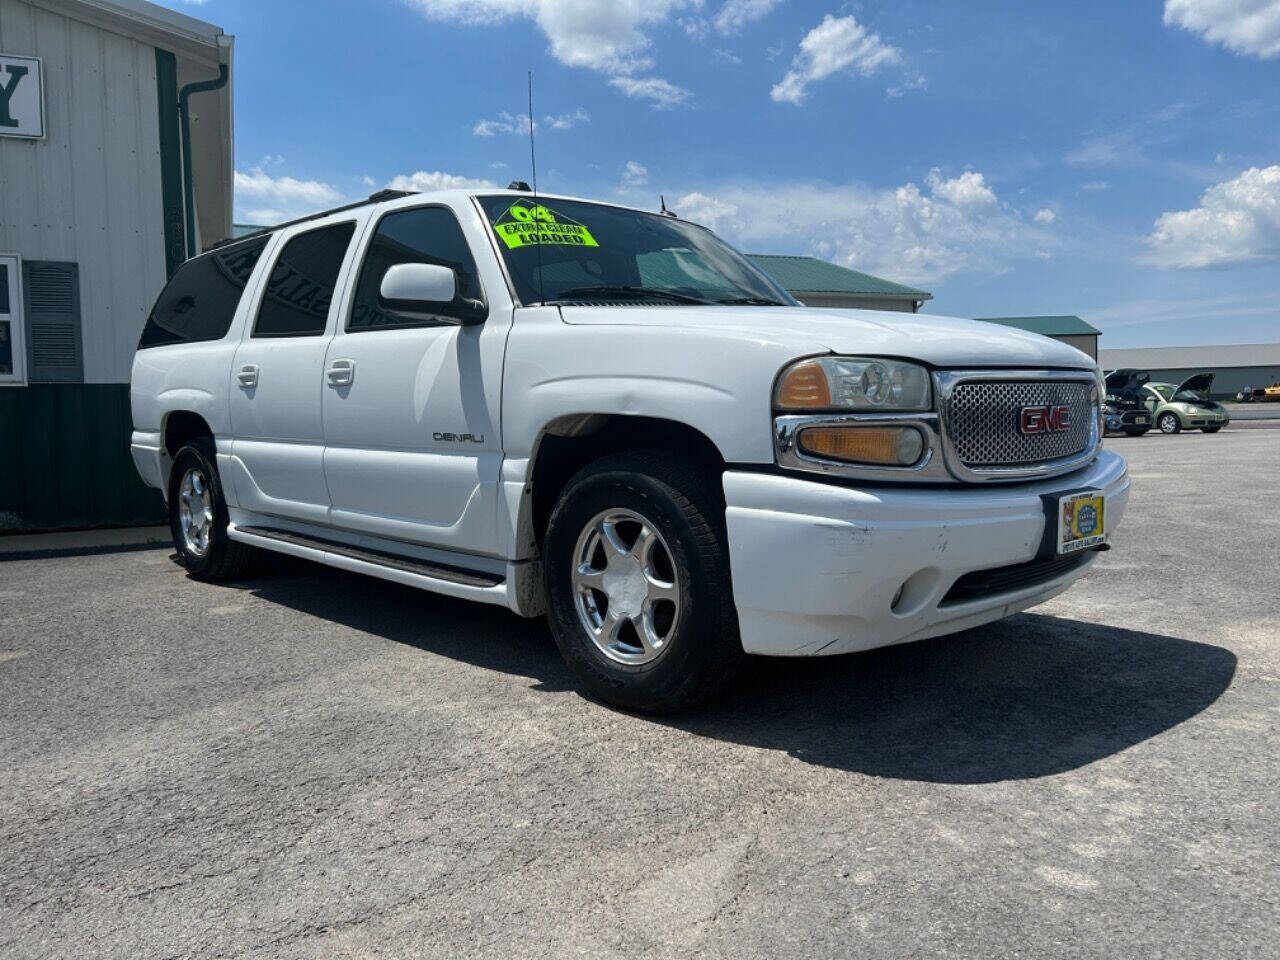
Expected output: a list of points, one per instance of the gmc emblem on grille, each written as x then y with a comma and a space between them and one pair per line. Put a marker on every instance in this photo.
1044, 419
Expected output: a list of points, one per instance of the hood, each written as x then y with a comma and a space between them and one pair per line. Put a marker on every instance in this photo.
1126, 379
939, 341
1198, 383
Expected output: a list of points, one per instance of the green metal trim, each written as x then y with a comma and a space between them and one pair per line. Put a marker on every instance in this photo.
68, 462
170, 160
184, 117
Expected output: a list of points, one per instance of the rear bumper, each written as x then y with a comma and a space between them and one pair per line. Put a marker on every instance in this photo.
146, 447
816, 567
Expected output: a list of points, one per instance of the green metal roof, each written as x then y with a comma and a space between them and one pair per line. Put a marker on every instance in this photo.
1049, 326
811, 275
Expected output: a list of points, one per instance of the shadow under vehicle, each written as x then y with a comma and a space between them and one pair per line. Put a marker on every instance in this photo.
1123, 409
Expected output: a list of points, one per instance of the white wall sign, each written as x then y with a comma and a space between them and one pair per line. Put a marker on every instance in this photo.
21, 97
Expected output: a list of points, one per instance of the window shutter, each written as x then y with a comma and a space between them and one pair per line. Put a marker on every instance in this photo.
54, 353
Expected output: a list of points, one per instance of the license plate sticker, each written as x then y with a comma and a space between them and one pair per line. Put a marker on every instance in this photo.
1081, 521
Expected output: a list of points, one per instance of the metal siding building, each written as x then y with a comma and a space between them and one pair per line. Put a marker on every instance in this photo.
1234, 366
93, 217
1070, 330
819, 283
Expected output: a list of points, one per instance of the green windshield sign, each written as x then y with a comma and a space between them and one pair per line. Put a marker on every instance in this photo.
526, 223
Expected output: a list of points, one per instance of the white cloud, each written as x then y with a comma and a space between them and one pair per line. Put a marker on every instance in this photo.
1095, 186
424, 181
1107, 150
654, 89
567, 121
736, 14
834, 45
268, 199
728, 56
516, 123
634, 174
917, 82
1044, 215
368, 181
967, 190
902, 233
1237, 222
607, 36
1249, 27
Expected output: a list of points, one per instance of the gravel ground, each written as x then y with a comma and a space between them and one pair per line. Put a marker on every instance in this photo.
313, 764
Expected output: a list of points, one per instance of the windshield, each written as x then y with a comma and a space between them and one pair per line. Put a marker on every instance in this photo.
565, 251
1165, 390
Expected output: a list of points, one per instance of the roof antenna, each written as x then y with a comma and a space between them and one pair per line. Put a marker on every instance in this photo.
664, 211
537, 227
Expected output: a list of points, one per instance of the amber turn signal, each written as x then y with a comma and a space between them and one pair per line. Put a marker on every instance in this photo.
879, 446
804, 387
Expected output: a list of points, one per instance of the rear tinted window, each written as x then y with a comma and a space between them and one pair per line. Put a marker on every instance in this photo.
302, 282
201, 299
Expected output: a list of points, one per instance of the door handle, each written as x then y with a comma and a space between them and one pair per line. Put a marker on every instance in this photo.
341, 373
248, 376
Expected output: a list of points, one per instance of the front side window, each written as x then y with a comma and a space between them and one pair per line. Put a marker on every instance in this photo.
302, 282
200, 300
418, 235
567, 251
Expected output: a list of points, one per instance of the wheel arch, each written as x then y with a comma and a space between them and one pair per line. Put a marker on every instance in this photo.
568, 443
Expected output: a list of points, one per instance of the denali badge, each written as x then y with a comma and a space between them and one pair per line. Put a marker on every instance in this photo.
458, 437
1044, 419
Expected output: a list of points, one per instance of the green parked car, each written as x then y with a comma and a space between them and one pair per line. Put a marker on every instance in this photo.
1185, 406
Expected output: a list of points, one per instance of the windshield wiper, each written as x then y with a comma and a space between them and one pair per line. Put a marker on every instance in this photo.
576, 293
751, 302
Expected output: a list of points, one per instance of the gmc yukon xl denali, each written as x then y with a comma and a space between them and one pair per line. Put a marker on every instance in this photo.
612, 418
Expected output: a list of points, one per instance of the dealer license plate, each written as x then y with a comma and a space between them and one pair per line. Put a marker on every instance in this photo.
1139, 419
1082, 519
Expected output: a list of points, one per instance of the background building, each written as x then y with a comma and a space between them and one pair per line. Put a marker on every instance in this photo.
107, 183
819, 283
1070, 330
1234, 367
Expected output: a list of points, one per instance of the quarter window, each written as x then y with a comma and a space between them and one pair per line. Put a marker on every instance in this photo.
200, 300
420, 235
302, 282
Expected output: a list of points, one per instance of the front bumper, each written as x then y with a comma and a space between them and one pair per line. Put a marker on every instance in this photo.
816, 566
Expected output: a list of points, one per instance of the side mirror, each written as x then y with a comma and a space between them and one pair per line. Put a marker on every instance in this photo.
427, 290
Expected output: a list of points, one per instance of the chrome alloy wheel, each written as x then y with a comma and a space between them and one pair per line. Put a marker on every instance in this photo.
195, 511
625, 588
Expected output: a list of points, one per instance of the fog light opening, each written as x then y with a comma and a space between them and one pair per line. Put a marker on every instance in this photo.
897, 597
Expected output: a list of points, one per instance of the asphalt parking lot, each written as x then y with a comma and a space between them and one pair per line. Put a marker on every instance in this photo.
312, 764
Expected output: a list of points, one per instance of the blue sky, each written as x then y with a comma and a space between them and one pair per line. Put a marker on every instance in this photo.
1116, 160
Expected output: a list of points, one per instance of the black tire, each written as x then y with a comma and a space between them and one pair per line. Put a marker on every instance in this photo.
1136, 433
686, 508
1169, 423
224, 558
1210, 429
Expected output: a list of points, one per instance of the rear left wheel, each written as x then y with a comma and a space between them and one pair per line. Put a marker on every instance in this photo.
198, 516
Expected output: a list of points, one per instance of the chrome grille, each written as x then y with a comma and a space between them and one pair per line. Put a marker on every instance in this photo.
983, 421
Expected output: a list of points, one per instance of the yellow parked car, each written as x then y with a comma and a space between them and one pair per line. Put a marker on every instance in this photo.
1185, 406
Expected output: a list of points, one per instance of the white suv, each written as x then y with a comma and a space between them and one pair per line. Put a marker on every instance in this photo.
611, 417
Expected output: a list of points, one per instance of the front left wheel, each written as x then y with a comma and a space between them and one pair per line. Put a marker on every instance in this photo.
1169, 423
640, 602
198, 516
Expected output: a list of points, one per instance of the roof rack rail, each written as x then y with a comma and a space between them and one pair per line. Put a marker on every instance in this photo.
377, 197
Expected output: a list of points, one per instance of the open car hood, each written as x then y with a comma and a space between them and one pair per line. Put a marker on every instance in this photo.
1199, 383
1126, 380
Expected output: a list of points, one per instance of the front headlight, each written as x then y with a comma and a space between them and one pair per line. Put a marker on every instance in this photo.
853, 383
